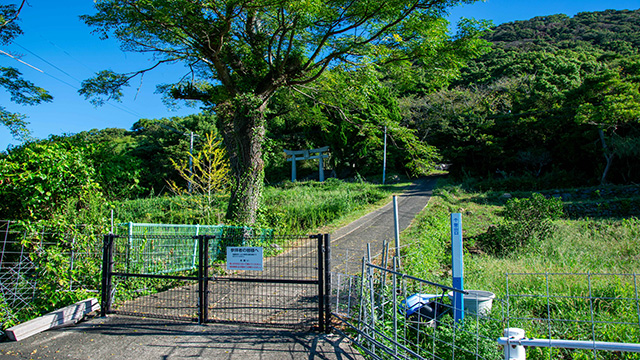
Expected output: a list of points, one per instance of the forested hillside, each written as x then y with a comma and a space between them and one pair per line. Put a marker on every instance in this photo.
555, 99
611, 30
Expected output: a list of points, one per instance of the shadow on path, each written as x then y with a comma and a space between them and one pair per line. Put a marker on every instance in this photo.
121, 337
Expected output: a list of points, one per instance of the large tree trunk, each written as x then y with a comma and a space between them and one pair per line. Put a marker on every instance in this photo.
241, 122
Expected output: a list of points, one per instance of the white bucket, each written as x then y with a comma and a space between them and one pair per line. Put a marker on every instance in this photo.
476, 301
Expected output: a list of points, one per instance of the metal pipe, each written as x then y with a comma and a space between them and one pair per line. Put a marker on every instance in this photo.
572, 344
321, 318
396, 228
327, 282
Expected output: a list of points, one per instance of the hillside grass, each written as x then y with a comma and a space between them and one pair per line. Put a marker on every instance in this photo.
581, 247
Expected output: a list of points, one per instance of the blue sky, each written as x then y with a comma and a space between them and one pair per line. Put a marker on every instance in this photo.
62, 47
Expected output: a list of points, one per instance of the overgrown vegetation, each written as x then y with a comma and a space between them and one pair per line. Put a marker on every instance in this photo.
547, 103
288, 208
495, 225
554, 104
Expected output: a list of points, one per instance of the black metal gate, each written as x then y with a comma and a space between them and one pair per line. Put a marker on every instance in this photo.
191, 278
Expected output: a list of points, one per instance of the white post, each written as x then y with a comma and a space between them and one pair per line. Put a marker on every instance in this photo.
396, 225
513, 350
384, 157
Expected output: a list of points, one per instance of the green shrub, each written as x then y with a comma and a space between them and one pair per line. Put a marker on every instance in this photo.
527, 221
38, 179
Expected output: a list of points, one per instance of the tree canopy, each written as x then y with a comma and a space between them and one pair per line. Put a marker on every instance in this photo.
239, 53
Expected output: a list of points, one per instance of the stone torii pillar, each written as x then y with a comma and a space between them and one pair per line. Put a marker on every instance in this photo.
306, 155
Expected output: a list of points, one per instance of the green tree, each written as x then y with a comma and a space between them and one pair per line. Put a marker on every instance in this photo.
514, 108
348, 109
242, 52
206, 173
160, 140
118, 170
610, 100
39, 179
22, 91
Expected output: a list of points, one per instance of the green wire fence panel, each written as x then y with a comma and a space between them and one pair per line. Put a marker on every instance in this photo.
170, 248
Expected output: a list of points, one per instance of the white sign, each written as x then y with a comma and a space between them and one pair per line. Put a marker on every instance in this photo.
244, 258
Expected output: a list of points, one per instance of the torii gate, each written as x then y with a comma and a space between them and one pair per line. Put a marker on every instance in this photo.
304, 155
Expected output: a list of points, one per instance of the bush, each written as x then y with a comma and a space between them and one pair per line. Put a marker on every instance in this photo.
39, 179
527, 221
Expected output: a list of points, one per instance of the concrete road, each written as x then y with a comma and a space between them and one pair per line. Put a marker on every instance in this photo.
121, 337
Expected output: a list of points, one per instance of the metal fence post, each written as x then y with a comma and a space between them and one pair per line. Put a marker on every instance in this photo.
107, 270
457, 267
327, 282
205, 295
202, 296
321, 309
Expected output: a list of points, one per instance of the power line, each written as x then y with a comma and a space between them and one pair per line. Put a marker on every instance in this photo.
49, 63
15, 58
69, 55
121, 108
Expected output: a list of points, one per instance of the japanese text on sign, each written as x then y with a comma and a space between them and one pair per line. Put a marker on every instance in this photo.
244, 258
456, 226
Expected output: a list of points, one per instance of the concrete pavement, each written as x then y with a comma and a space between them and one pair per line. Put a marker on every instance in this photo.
121, 337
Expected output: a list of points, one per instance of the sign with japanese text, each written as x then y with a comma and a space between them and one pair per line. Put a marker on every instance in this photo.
244, 258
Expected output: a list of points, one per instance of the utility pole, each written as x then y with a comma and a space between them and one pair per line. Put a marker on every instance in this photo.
384, 159
190, 161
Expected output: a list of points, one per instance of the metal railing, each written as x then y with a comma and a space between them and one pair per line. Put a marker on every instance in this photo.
599, 312
391, 315
172, 248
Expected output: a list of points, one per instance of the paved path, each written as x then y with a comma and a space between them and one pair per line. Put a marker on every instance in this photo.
349, 244
121, 337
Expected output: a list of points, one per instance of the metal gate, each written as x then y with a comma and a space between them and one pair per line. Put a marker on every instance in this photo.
203, 278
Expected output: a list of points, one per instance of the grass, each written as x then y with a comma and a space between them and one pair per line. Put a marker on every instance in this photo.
289, 208
602, 245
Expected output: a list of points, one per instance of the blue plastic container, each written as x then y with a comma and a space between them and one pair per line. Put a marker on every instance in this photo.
415, 302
